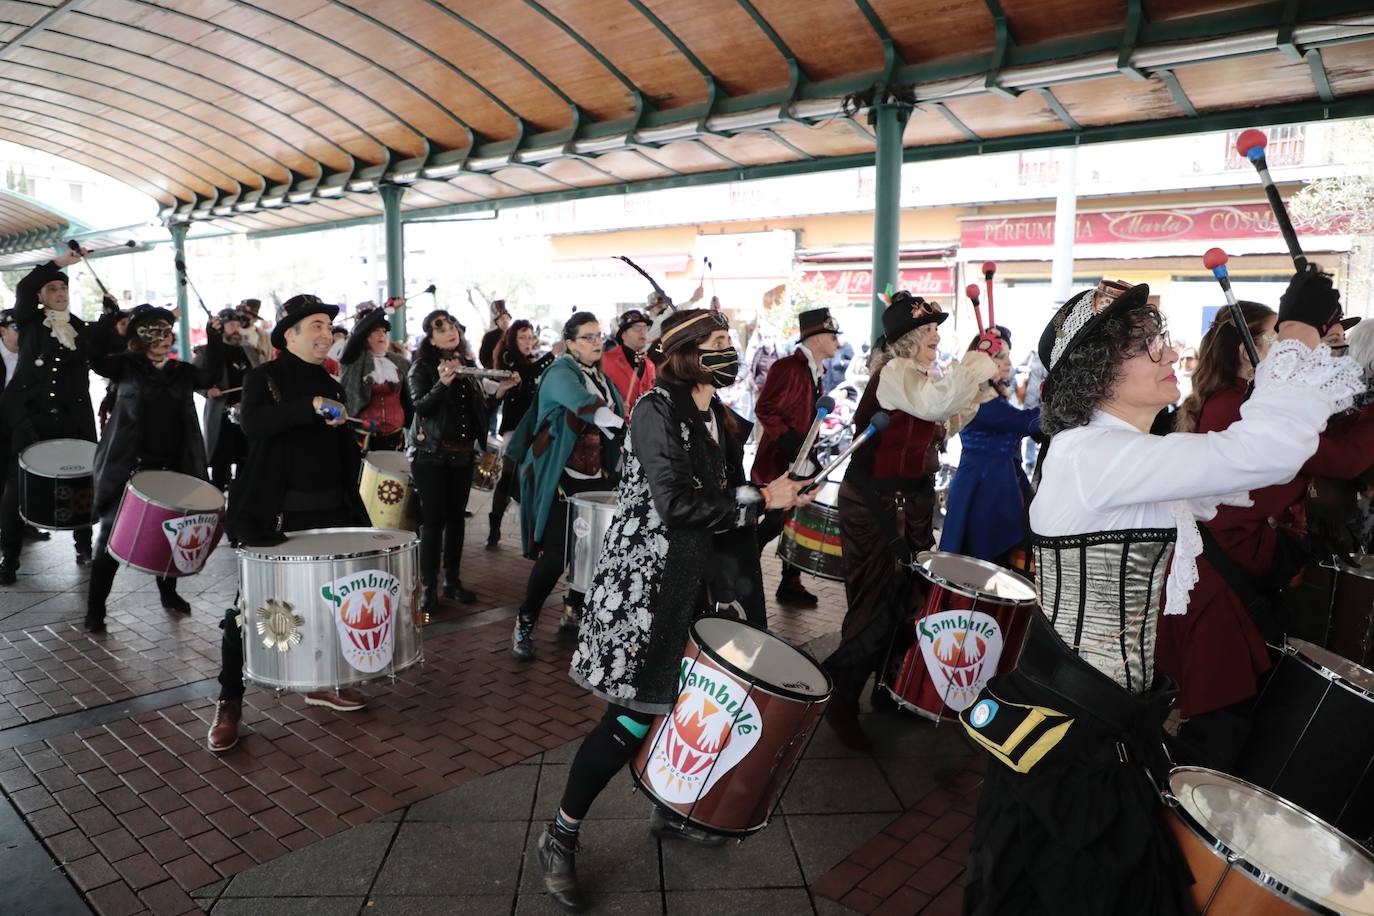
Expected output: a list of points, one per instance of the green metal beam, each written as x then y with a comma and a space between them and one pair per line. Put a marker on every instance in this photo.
395, 254
1005, 43
178, 231
890, 123
1058, 108
713, 94
1135, 17
1175, 88
952, 118
1319, 78
1284, 39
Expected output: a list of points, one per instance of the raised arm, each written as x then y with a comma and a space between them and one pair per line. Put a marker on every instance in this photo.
904, 386
357, 339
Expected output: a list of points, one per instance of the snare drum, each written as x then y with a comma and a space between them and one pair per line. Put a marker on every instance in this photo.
57, 484
1351, 630
1312, 737
589, 515
747, 705
167, 523
811, 535
1253, 854
971, 627
330, 607
388, 492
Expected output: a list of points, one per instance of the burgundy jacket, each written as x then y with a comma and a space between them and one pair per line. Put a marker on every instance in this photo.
785, 409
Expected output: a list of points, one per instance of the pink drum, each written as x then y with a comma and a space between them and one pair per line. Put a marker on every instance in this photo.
168, 523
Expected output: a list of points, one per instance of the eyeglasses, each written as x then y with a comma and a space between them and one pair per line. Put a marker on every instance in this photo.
1157, 344
443, 324
588, 338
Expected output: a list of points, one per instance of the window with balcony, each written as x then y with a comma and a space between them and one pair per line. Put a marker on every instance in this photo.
1287, 146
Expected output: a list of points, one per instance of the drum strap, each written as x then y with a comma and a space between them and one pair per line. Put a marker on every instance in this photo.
885, 515
1018, 736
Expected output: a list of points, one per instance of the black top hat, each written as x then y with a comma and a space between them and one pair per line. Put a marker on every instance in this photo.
628, 320
907, 313
815, 321
294, 311
1084, 313
7, 318
370, 310
230, 314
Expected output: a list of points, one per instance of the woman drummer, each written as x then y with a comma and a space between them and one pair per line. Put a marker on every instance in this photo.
1069, 820
985, 514
682, 463
153, 426
1216, 652
514, 353
447, 433
373, 376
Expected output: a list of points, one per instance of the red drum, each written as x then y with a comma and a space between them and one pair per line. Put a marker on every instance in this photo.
168, 523
747, 706
971, 628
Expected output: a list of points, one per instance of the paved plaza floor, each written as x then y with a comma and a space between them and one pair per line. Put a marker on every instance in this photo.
427, 802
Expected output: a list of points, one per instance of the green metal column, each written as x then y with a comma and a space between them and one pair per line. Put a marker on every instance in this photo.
178, 231
889, 117
395, 253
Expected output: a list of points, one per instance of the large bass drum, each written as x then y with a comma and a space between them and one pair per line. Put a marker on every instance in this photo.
810, 537
330, 607
57, 484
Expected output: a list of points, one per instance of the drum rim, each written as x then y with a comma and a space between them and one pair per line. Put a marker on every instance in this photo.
776, 690
1270, 882
90, 472
1289, 649
926, 555
1359, 572
578, 499
154, 501
388, 472
734, 832
247, 551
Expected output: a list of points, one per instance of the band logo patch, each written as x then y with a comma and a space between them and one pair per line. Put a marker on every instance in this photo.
712, 728
961, 651
191, 537
364, 606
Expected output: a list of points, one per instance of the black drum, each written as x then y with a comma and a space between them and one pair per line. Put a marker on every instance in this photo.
1351, 633
1312, 738
57, 484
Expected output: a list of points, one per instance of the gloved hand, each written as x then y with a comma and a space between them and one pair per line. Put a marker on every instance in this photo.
109, 304
329, 408
991, 343
1311, 299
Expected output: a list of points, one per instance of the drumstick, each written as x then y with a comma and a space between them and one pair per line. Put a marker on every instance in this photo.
1251, 144
989, 268
972, 292
1215, 260
225, 391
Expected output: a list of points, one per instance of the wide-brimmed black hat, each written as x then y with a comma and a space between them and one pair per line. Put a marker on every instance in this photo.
813, 322
906, 313
1079, 318
366, 310
294, 311
628, 320
145, 315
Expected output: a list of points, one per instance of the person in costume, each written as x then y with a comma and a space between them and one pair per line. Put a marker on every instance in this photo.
373, 378
301, 472
225, 445
627, 363
785, 410
515, 354
1069, 817
986, 508
887, 498
683, 461
500, 320
153, 426
447, 435
1216, 651
49, 395
569, 443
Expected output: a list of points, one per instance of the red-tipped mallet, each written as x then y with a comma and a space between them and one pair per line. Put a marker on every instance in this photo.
972, 292
989, 269
1215, 260
1251, 144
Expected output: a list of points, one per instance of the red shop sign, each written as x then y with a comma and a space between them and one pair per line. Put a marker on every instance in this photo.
923, 281
1242, 221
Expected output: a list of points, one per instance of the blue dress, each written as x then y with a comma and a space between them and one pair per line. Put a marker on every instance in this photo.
986, 506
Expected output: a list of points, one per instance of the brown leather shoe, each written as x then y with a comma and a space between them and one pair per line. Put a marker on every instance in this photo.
224, 730
339, 701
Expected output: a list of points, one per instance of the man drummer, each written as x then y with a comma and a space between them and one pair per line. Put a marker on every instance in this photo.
786, 408
225, 444
300, 472
49, 396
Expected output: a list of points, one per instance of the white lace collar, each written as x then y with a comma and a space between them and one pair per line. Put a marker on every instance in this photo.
60, 323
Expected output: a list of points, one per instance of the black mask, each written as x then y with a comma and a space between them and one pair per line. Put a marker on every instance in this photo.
723, 366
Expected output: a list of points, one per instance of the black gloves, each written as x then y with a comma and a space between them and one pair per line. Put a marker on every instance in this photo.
1312, 299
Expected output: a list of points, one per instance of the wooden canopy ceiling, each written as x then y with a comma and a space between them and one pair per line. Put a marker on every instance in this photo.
262, 116
26, 224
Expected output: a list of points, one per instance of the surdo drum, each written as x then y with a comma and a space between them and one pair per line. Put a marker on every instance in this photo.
388, 492
1253, 854
330, 607
971, 627
57, 484
746, 707
167, 523
589, 515
810, 537
1351, 632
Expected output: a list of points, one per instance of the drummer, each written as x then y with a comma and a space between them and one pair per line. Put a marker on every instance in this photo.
887, 499
514, 353
301, 472
152, 427
49, 395
224, 442
682, 462
627, 363
374, 379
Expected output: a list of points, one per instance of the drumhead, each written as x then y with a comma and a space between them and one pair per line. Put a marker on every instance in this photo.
390, 462
594, 498
334, 544
171, 490
761, 657
1364, 567
59, 458
1361, 679
975, 578
1278, 842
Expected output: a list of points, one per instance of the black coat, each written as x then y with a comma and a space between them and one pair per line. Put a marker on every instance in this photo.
521, 398
438, 405
238, 359
135, 378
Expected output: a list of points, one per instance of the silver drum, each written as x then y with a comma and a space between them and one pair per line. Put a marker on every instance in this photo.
589, 515
330, 607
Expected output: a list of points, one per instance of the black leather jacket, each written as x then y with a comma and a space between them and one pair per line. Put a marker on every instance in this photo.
439, 407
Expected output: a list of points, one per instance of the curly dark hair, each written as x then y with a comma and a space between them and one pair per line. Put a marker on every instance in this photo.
1085, 377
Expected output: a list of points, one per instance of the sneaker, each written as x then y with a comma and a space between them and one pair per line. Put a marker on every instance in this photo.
568, 624
224, 730
665, 829
792, 593
522, 641
558, 861
337, 700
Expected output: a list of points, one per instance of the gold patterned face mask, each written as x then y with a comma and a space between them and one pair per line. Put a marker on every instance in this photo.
155, 333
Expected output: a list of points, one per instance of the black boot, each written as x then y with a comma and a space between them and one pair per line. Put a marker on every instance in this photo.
172, 603
792, 593
102, 580
558, 859
455, 590
494, 533
429, 604
9, 571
